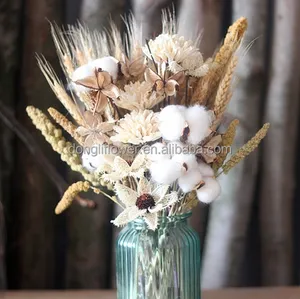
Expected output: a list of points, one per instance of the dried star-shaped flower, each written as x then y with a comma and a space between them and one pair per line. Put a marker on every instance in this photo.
145, 202
101, 85
167, 87
122, 169
132, 68
94, 129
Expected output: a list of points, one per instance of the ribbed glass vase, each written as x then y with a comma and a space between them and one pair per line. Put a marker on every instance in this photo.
160, 264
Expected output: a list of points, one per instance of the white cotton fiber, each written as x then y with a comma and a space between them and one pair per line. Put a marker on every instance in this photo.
199, 121
175, 148
165, 172
210, 191
92, 161
205, 169
158, 152
188, 181
189, 160
172, 122
108, 64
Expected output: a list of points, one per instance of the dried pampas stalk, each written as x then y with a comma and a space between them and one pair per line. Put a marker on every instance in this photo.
70, 195
59, 90
227, 140
222, 99
66, 124
207, 84
245, 150
59, 143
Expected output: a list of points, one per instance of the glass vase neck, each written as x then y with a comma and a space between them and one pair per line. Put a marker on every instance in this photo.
163, 221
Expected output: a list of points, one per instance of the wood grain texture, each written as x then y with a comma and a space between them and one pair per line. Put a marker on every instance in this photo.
278, 177
230, 216
35, 196
275, 293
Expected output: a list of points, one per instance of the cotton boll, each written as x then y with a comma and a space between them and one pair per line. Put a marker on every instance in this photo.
108, 64
205, 169
188, 181
172, 122
210, 191
81, 72
175, 148
91, 161
165, 172
158, 152
188, 161
199, 121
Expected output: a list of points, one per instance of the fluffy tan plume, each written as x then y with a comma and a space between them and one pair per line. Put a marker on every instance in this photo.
246, 149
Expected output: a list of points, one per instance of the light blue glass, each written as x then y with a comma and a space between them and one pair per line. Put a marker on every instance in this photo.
160, 264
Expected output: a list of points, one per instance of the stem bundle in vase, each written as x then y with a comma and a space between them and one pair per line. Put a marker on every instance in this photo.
145, 121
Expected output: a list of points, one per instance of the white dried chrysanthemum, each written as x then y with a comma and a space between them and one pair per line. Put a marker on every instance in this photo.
138, 96
180, 54
145, 202
137, 127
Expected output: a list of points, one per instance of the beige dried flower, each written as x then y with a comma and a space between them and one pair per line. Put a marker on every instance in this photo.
246, 149
138, 96
137, 128
70, 194
101, 85
164, 86
133, 68
94, 131
178, 53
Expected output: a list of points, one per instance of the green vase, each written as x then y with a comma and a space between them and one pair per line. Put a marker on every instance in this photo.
160, 264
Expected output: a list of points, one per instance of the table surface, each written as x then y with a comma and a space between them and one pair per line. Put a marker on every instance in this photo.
263, 293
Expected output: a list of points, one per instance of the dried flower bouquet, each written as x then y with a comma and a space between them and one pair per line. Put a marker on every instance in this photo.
146, 117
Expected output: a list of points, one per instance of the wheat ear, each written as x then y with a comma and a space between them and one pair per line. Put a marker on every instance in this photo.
222, 99
246, 149
59, 90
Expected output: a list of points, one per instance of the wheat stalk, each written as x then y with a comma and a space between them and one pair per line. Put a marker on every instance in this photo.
246, 149
68, 126
59, 90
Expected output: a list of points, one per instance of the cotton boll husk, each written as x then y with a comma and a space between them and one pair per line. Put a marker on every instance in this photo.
166, 172
172, 122
189, 159
108, 64
210, 191
205, 169
158, 152
188, 181
199, 121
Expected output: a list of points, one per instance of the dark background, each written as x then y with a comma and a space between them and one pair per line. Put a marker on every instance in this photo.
250, 236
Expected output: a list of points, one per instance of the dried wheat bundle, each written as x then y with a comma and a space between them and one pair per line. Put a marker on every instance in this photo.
146, 116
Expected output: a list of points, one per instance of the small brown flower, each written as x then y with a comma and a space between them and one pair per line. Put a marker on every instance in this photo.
132, 68
101, 88
94, 129
168, 86
208, 154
